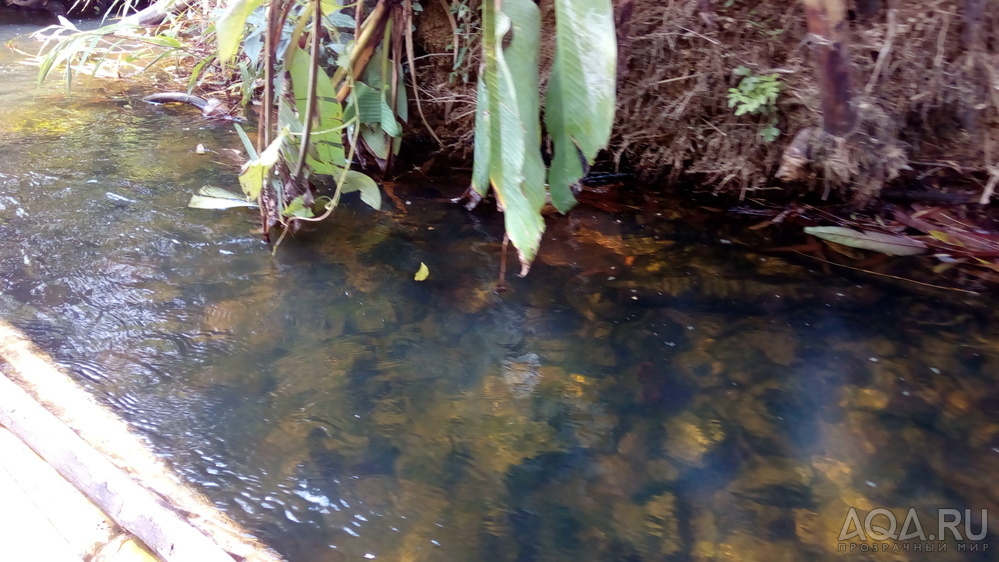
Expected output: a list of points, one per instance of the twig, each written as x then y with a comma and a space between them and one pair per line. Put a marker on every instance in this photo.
952, 165
454, 31
336, 194
310, 102
408, 13
991, 186
678, 78
712, 125
941, 39
397, 31
888, 276
274, 23
501, 285
883, 53
264, 133
429, 55
938, 59
705, 37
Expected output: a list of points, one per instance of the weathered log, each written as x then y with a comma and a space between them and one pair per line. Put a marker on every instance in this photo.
209, 107
120, 497
111, 441
156, 13
177, 97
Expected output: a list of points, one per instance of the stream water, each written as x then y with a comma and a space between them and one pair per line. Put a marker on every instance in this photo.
650, 392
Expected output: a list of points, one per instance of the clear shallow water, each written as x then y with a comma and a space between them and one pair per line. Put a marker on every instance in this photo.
648, 393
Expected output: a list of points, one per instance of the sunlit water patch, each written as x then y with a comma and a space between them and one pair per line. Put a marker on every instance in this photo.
647, 393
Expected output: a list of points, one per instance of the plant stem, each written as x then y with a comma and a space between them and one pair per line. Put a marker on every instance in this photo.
310, 103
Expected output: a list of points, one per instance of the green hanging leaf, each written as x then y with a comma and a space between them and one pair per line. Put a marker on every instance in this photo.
522, 58
579, 107
370, 194
340, 19
890, 244
376, 140
483, 136
388, 121
230, 26
258, 170
247, 143
368, 102
327, 154
401, 101
509, 163
333, 14
298, 208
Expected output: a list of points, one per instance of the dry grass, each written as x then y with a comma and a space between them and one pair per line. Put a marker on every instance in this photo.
926, 84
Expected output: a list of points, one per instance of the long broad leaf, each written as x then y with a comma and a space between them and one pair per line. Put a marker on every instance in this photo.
579, 107
257, 171
210, 197
230, 26
483, 138
522, 59
890, 244
327, 156
368, 103
202, 202
357, 181
508, 144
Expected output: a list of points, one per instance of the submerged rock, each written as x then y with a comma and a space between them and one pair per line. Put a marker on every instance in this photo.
521, 374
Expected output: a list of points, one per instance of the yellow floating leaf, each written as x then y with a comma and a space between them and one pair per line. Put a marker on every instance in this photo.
946, 238
422, 273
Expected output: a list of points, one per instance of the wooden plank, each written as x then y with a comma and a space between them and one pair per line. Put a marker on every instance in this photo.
82, 525
107, 434
25, 532
131, 506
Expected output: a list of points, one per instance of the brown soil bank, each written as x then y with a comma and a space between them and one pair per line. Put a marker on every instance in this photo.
925, 83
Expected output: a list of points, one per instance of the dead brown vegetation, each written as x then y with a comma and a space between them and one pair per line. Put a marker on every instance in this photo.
925, 82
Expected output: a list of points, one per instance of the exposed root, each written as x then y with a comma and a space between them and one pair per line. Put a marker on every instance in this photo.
861, 162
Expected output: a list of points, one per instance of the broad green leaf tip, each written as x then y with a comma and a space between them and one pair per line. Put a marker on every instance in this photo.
230, 25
